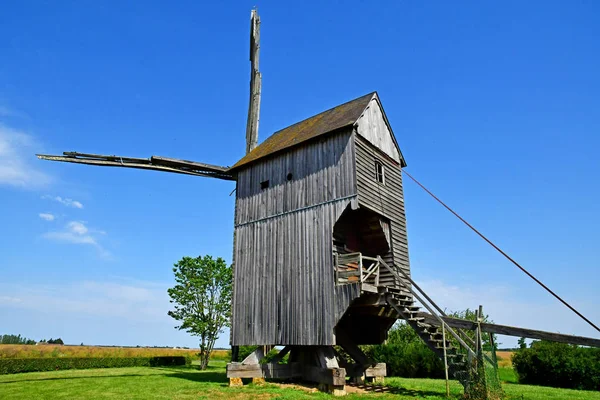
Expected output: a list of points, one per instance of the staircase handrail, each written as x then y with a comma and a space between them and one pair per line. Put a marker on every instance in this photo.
447, 327
460, 331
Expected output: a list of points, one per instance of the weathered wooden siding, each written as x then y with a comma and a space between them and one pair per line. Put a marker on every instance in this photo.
386, 199
284, 284
321, 171
344, 295
373, 127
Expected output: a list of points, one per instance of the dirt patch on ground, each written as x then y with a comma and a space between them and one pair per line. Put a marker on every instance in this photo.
218, 394
304, 387
310, 388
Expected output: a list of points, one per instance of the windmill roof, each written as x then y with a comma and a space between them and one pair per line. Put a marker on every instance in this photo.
328, 121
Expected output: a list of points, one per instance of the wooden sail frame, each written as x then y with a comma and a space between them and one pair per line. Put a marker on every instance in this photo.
155, 163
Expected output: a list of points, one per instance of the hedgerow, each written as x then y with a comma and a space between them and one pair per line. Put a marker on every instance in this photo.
558, 365
18, 365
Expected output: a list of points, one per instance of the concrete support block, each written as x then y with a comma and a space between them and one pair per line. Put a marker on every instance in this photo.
235, 382
336, 390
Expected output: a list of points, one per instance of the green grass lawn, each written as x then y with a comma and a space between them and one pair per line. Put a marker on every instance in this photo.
189, 383
507, 375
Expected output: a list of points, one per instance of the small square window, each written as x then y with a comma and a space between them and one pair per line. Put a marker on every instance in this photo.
379, 172
264, 185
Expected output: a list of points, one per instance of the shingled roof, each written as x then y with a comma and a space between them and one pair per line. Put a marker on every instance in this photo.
328, 121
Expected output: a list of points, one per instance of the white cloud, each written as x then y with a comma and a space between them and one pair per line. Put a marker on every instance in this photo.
17, 160
76, 232
9, 300
64, 201
77, 227
508, 306
47, 216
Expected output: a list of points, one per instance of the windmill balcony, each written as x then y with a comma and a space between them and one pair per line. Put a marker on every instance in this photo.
357, 268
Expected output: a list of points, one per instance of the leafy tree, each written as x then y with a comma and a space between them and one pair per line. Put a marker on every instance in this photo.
522, 344
558, 365
471, 315
15, 339
202, 300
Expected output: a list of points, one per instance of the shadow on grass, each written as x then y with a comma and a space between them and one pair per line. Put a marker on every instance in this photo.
64, 378
192, 374
200, 376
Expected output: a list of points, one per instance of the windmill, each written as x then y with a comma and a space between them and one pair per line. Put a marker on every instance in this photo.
320, 248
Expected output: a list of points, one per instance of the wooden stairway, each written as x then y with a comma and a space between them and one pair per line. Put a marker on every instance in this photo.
457, 357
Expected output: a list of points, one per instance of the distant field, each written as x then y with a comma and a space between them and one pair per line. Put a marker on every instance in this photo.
504, 358
43, 351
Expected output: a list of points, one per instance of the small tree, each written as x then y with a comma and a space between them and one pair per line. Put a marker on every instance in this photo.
202, 300
471, 315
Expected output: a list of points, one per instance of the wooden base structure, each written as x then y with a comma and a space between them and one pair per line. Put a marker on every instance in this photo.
315, 364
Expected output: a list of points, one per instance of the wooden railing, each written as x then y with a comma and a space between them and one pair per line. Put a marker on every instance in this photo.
356, 268
429, 304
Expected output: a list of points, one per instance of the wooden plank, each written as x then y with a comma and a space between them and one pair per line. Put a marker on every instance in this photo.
270, 370
281, 354
255, 84
255, 357
136, 164
379, 369
514, 331
373, 127
365, 287
328, 376
306, 187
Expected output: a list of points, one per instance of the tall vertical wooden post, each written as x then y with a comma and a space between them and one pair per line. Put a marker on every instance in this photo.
255, 84
445, 360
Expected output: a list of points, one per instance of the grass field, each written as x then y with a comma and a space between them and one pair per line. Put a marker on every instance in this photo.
189, 383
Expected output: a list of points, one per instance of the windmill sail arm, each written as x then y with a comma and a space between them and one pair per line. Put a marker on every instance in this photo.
155, 163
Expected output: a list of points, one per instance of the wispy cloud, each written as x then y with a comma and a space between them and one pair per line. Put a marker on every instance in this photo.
16, 160
9, 112
47, 216
76, 232
506, 305
117, 311
64, 201
132, 301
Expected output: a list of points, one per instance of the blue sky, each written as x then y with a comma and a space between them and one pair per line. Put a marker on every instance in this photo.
495, 107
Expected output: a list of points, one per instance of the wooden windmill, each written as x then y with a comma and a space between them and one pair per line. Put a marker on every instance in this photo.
320, 246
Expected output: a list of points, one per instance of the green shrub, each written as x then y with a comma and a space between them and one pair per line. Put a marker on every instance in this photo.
558, 365
408, 360
406, 355
17, 365
245, 351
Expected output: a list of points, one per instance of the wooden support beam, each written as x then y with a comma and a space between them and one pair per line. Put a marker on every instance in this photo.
255, 357
255, 84
357, 370
281, 354
268, 371
378, 369
326, 357
513, 331
327, 376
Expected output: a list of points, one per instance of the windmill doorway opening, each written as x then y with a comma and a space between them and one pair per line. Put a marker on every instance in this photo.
361, 234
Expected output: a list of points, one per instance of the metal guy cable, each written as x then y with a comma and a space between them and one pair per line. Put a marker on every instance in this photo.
503, 253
